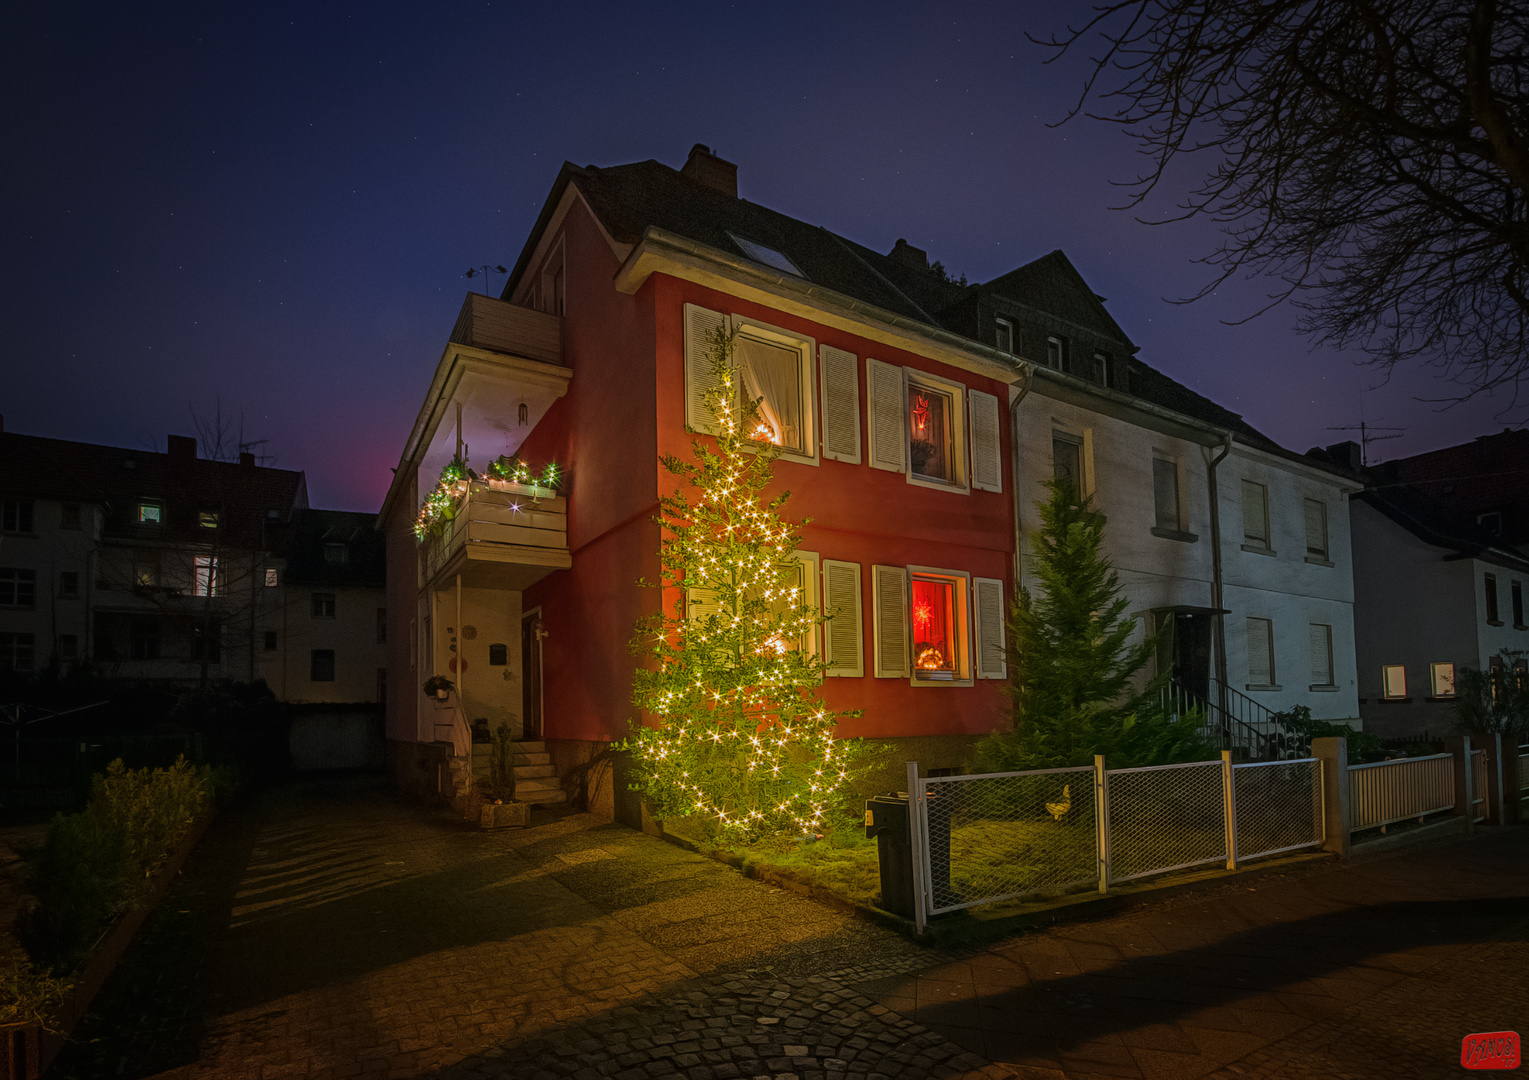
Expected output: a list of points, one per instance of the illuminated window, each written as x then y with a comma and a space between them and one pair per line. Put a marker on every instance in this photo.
770, 373
1393, 681
150, 513
931, 441
938, 620
206, 581
208, 519
270, 577
1442, 679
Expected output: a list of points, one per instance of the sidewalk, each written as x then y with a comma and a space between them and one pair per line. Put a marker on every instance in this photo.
328, 931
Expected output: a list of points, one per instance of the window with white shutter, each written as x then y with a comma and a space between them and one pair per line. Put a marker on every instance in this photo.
992, 659
884, 416
843, 637
939, 619
987, 456
841, 404
1316, 529
701, 330
889, 585
1260, 654
1255, 515
1321, 648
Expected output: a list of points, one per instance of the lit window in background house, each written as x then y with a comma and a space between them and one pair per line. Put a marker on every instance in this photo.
150, 513
208, 519
270, 577
206, 582
771, 375
1442, 677
934, 628
929, 435
1393, 678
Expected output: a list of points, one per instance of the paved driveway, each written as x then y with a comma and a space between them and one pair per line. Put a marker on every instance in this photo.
325, 930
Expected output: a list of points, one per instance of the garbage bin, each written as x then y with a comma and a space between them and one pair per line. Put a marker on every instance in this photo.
887, 822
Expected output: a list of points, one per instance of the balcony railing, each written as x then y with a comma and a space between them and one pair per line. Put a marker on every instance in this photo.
500, 522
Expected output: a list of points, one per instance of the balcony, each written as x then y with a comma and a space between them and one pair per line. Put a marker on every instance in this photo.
506, 536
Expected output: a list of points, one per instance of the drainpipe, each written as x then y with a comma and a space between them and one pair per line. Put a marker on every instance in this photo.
462, 669
1026, 380
1215, 580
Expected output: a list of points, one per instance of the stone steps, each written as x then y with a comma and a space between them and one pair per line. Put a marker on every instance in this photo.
535, 776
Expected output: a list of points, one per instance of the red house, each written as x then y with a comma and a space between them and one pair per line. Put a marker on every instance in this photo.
895, 443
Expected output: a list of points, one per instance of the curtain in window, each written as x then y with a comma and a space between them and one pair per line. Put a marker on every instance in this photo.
934, 646
771, 375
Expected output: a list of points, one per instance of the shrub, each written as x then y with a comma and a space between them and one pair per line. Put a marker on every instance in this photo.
501, 764
28, 994
1361, 744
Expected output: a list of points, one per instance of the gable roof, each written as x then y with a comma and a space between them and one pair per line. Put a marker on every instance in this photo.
1052, 284
365, 549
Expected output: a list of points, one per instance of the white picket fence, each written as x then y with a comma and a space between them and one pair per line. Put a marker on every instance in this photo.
1385, 792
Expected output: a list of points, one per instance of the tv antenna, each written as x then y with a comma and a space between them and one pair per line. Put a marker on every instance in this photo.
474, 271
1369, 433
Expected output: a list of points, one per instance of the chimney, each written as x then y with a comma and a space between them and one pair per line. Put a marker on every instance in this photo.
180, 447
708, 170
1348, 454
247, 457
905, 253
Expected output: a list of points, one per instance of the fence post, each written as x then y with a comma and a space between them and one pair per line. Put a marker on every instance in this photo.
1229, 805
1102, 821
1512, 782
1332, 752
1497, 801
918, 838
1465, 779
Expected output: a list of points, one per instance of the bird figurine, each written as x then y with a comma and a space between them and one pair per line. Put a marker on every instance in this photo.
1058, 810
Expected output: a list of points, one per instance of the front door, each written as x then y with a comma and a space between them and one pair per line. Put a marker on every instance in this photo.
531, 675
1191, 651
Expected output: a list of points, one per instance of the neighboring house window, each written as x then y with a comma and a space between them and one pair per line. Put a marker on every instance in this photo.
1516, 592
321, 665
938, 620
1321, 647
17, 652
18, 587
1260, 654
16, 515
270, 641
1441, 678
208, 519
1165, 494
144, 634
1491, 522
150, 513
1255, 516
1491, 590
69, 516
1316, 530
1393, 681
68, 647
68, 584
931, 440
207, 642
1110, 378
382, 626
1005, 336
335, 554
1101, 366
323, 605
270, 577
1067, 461
206, 582
1056, 353
146, 570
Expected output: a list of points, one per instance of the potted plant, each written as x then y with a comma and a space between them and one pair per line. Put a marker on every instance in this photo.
503, 808
439, 686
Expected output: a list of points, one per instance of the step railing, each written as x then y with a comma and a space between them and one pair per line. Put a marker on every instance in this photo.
1237, 722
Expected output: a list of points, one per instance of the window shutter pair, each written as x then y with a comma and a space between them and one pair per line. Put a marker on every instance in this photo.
890, 588
1260, 652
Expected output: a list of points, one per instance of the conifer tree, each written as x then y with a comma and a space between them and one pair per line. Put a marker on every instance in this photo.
1073, 664
741, 736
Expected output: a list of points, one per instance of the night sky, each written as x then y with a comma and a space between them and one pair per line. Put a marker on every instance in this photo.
272, 206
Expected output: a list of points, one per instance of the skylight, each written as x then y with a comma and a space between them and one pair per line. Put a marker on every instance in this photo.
769, 256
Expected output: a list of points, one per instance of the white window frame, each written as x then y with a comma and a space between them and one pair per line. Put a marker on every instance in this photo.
1273, 683
1265, 546
1386, 682
206, 580
964, 667
1435, 682
1323, 557
1332, 674
959, 437
1179, 525
1056, 348
807, 378
1005, 334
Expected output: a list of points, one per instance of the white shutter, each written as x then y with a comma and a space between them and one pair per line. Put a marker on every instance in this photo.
889, 436
890, 585
1255, 518
987, 458
991, 660
844, 638
1316, 527
700, 603
1260, 662
1321, 649
841, 404
808, 561
701, 328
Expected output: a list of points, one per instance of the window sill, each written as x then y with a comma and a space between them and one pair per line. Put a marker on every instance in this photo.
1393, 701
1323, 688
941, 682
1263, 686
1175, 534
1441, 697
1495, 622
937, 485
1520, 626
1315, 561
1252, 550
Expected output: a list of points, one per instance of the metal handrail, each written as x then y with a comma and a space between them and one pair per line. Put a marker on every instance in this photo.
1249, 726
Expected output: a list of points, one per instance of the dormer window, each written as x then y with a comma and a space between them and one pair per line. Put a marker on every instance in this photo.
767, 255
1005, 336
1056, 353
335, 554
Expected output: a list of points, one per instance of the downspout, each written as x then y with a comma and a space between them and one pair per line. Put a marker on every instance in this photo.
1026, 380
1215, 579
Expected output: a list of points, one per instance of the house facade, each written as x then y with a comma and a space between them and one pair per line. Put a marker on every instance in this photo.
915, 425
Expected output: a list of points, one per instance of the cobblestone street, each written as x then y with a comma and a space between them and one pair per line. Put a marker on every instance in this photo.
325, 930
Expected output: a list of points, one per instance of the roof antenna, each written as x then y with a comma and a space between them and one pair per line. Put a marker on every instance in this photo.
474, 271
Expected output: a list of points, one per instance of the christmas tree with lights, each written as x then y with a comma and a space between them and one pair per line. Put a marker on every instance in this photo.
740, 737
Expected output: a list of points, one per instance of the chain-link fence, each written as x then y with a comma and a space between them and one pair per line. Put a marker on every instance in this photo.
1164, 817
1006, 835
1279, 806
